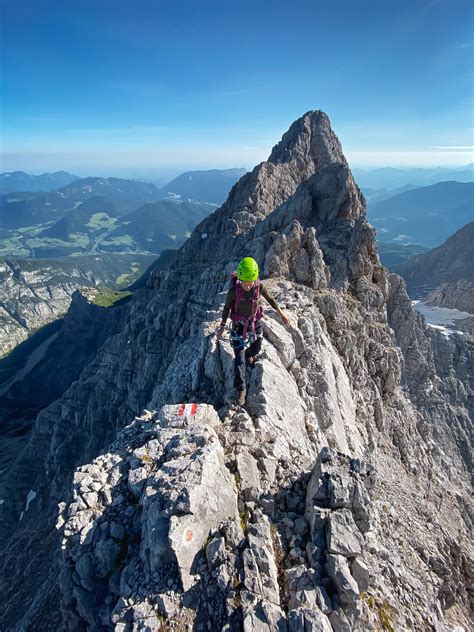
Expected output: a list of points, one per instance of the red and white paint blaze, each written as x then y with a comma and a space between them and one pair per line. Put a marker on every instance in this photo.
187, 410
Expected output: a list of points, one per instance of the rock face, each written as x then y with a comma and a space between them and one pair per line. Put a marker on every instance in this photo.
84, 328
457, 295
446, 273
327, 502
60, 360
437, 374
34, 292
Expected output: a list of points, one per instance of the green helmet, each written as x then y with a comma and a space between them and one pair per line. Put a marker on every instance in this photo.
247, 270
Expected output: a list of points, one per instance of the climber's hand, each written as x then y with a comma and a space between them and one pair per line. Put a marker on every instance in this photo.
220, 331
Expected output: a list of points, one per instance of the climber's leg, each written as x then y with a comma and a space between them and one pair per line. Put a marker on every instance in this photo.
239, 367
256, 345
239, 360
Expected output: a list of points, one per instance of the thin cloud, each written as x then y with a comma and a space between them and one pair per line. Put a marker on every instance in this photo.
461, 147
119, 130
39, 119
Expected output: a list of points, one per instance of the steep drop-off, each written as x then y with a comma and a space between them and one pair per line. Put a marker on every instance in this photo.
34, 292
337, 499
446, 272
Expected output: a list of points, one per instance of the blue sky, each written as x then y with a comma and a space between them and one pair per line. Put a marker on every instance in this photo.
108, 87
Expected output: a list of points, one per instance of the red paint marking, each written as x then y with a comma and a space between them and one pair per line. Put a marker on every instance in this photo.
181, 410
189, 535
194, 408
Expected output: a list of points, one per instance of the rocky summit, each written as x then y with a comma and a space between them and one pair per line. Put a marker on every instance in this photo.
337, 498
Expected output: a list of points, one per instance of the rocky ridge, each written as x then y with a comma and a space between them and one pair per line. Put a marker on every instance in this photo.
328, 503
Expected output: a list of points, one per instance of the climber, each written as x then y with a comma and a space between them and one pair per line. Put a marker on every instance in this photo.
244, 304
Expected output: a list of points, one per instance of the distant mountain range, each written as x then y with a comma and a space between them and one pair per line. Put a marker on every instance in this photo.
29, 209
206, 186
96, 215
391, 178
377, 195
21, 181
96, 226
425, 216
211, 186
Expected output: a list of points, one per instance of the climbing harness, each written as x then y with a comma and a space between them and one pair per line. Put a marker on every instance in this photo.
239, 342
256, 309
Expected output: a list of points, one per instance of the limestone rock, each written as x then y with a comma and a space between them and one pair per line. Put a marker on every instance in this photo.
343, 536
355, 433
338, 571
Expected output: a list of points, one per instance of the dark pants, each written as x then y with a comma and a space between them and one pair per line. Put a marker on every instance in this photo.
241, 352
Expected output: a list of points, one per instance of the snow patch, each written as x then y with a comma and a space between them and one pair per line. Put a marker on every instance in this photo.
444, 330
441, 318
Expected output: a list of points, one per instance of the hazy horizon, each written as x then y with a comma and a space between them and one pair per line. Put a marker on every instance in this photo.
94, 85
172, 173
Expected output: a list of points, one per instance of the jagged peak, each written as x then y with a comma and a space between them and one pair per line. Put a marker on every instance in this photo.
308, 149
309, 138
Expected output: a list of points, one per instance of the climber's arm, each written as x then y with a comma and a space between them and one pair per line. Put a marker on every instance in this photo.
268, 297
225, 312
228, 304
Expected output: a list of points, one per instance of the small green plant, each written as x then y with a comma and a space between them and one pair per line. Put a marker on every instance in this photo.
369, 600
385, 616
383, 611
147, 459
